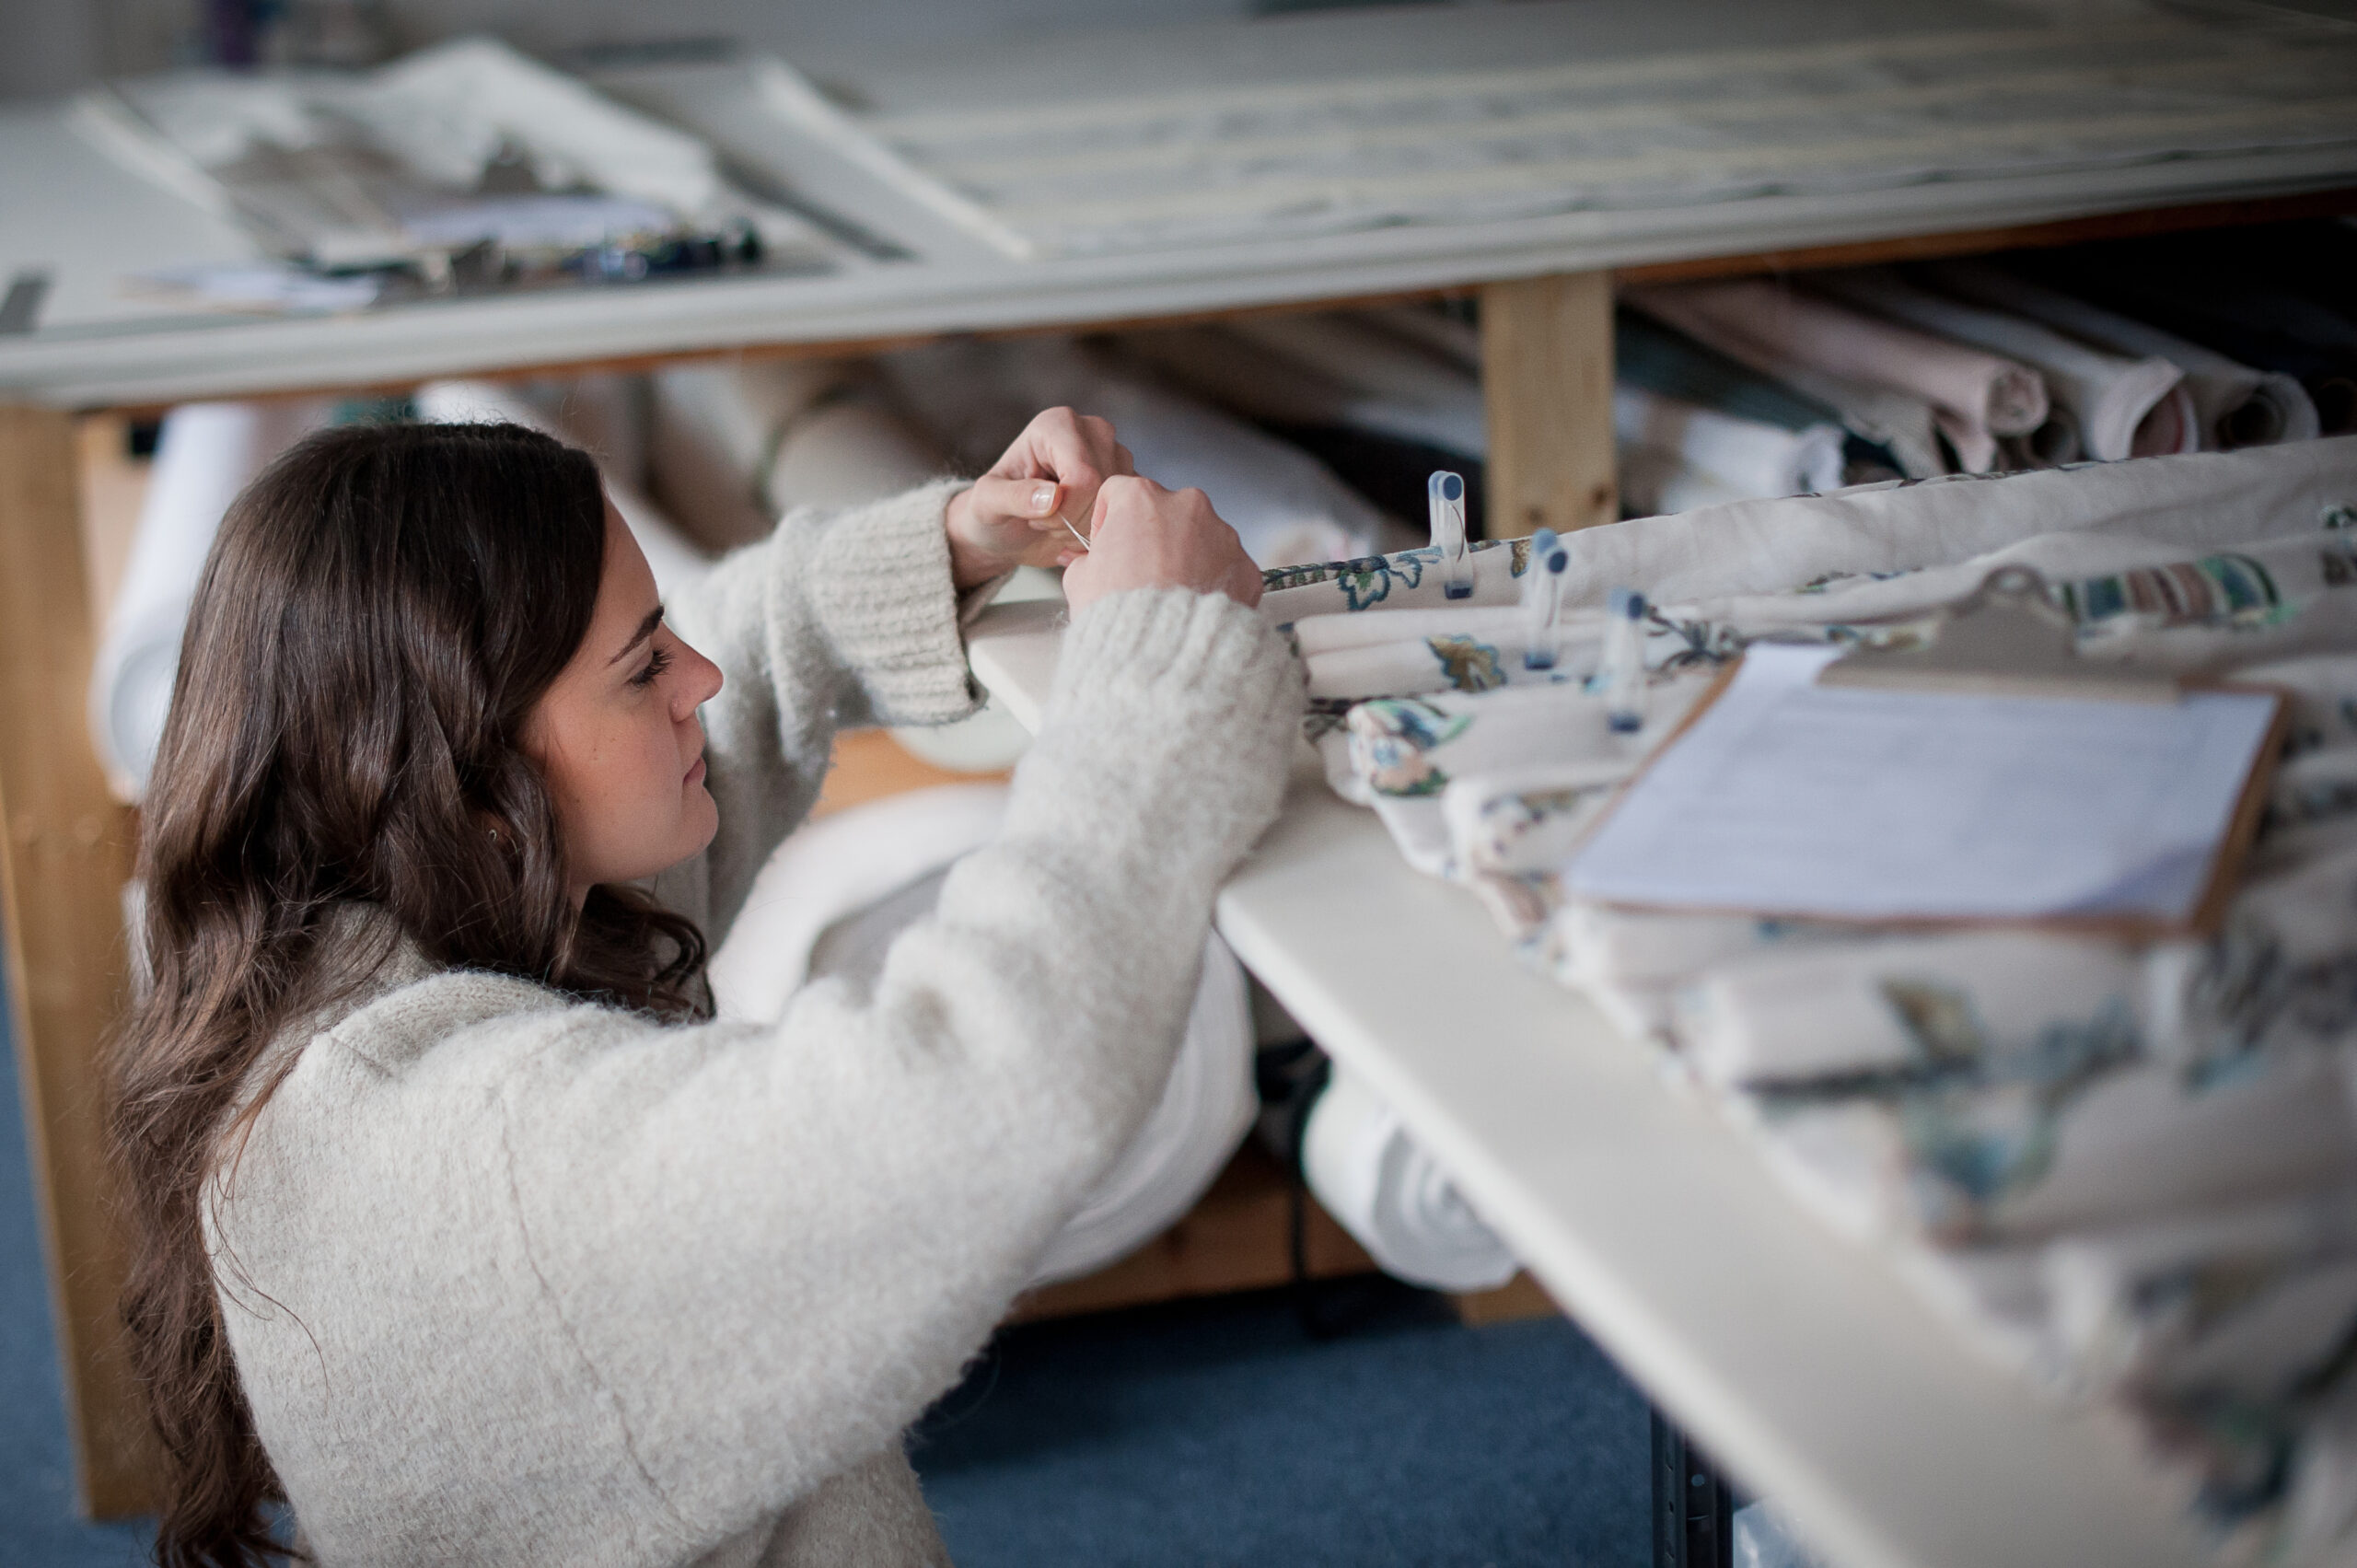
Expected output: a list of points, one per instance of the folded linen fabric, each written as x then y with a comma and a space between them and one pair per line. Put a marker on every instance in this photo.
1405, 579
976, 397
1675, 456
675, 559
1409, 748
1895, 1004
2072, 1132
827, 908
2274, 980
1407, 652
1976, 395
2250, 1300
2131, 601
2208, 500
2123, 407
2324, 698
1519, 821
1393, 1197
2233, 405
2318, 1522
206, 454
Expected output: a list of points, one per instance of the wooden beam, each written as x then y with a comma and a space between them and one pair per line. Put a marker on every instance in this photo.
1547, 384
64, 856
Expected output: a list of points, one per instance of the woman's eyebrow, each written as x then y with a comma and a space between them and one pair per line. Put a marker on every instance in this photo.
645, 630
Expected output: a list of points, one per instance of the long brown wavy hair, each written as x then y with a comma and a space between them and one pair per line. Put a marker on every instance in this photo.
381, 611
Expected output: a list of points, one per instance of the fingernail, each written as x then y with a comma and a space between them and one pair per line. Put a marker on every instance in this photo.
1043, 497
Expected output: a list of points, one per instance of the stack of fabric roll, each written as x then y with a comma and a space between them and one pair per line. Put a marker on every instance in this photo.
1393, 394
2038, 361
2125, 1169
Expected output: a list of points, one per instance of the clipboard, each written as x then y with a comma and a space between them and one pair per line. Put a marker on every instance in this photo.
2003, 641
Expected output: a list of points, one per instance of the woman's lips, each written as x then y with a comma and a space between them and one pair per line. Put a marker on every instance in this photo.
695, 775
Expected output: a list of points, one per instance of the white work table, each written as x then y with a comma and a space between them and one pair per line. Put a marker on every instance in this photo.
1801, 1361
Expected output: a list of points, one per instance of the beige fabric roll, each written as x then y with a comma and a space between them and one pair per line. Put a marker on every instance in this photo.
1975, 396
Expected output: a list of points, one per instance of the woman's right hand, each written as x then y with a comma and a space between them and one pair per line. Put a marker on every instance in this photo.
1141, 536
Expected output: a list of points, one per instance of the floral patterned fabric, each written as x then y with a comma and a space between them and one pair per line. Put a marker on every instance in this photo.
2130, 1172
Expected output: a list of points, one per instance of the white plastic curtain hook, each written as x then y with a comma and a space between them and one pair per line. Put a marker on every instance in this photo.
1444, 496
1542, 600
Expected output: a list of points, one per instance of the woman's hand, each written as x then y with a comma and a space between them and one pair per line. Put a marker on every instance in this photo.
1147, 537
1017, 513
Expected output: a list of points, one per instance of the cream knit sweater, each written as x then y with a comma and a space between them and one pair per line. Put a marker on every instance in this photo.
510, 1279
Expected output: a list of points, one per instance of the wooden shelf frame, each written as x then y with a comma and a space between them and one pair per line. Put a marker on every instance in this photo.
66, 852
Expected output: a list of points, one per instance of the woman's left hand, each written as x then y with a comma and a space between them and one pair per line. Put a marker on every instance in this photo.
1017, 513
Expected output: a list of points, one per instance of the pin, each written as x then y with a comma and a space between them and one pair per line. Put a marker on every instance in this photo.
1542, 600
1445, 496
1074, 529
1622, 669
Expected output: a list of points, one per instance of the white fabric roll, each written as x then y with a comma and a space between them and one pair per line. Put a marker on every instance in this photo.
1389, 384
712, 431
976, 397
674, 559
735, 446
2233, 405
1392, 1197
2126, 408
851, 448
835, 895
1818, 347
207, 453
1677, 456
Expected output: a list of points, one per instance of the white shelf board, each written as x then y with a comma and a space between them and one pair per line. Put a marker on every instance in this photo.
66, 208
1801, 1361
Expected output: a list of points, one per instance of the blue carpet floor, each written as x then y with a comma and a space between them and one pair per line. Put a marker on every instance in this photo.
1211, 1433
37, 1522
1220, 1432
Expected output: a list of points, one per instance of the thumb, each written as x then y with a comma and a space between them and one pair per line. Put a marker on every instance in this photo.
997, 499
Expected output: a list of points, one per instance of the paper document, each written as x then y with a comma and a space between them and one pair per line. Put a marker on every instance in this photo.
1792, 798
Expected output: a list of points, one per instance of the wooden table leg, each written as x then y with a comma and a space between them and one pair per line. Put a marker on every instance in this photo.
1547, 382
64, 856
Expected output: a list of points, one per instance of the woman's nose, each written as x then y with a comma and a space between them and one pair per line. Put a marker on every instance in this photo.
702, 682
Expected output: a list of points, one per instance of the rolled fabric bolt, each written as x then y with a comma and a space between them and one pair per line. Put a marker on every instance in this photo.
205, 455
1542, 600
833, 899
1976, 395
2126, 406
1445, 492
1392, 1197
2235, 404
1622, 674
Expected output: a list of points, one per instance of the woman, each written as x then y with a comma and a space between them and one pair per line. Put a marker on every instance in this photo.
457, 1219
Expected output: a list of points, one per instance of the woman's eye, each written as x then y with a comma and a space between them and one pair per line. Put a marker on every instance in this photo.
656, 663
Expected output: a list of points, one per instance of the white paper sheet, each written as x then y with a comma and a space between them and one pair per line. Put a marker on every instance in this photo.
1795, 799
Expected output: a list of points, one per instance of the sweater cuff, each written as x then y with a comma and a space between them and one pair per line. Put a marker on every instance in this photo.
882, 592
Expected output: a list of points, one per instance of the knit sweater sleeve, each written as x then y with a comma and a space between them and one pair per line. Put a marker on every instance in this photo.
774, 1247
840, 617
